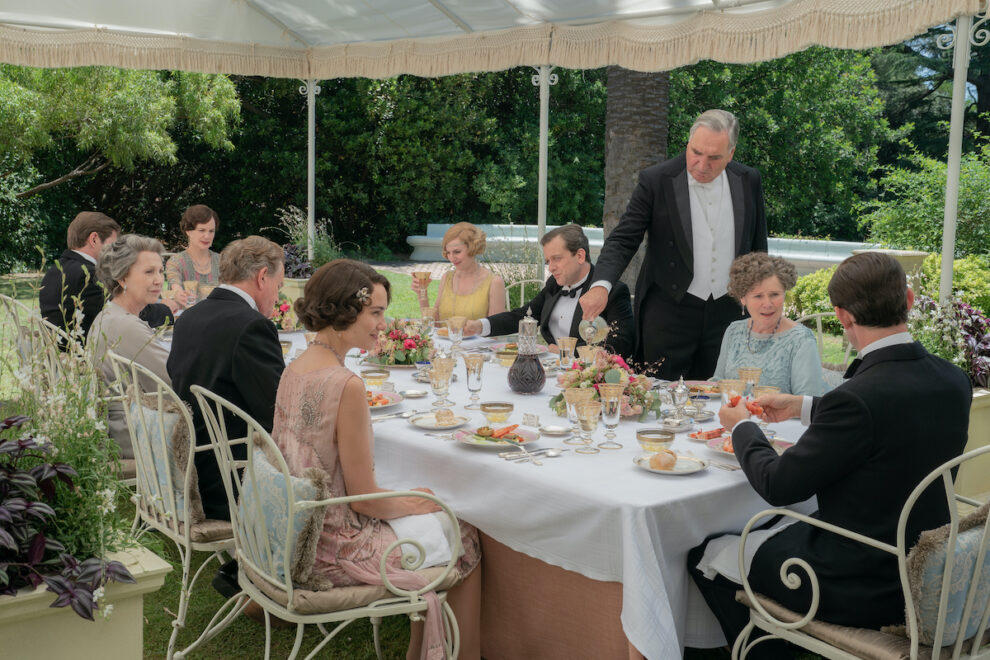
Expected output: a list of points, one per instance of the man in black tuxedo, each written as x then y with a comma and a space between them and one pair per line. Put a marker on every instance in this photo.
557, 306
700, 211
74, 276
228, 344
869, 443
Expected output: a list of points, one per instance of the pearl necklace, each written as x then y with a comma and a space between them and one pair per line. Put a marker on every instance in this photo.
749, 334
330, 348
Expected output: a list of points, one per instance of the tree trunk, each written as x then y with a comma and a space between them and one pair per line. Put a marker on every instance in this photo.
635, 138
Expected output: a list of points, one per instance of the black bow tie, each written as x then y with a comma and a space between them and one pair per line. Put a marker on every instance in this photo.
851, 369
570, 293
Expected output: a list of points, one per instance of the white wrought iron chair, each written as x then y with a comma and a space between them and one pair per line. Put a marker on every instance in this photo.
524, 287
38, 341
166, 496
265, 565
832, 372
937, 617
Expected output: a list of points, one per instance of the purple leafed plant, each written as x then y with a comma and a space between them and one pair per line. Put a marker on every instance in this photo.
28, 555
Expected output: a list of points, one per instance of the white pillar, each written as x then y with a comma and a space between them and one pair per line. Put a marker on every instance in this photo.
960, 64
311, 91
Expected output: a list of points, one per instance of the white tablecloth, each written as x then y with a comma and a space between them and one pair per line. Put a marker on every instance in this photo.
598, 515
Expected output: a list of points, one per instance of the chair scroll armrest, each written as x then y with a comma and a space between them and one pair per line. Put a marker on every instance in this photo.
789, 577
410, 562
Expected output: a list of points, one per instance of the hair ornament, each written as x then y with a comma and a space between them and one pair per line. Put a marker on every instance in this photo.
363, 295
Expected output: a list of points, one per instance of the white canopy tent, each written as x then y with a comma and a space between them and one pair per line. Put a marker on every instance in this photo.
318, 39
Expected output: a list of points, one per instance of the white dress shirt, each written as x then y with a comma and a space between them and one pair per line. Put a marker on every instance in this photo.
86, 257
563, 312
242, 293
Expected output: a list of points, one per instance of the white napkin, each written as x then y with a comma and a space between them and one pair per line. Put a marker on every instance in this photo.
430, 530
722, 553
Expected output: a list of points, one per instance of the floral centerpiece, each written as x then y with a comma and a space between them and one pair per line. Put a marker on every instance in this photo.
637, 399
284, 318
955, 331
398, 344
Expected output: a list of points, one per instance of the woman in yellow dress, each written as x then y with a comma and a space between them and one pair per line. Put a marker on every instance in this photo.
469, 289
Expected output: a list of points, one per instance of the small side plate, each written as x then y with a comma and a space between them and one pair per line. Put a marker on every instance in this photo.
429, 422
684, 465
555, 430
414, 394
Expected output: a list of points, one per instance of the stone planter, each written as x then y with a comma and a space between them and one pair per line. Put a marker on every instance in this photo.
31, 628
974, 477
292, 288
910, 260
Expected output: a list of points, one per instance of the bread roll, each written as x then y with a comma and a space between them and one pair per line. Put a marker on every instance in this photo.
663, 460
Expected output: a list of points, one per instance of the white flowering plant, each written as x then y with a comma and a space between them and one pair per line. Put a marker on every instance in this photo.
60, 479
956, 332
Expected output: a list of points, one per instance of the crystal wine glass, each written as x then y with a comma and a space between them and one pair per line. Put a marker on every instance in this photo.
611, 397
455, 332
566, 345
588, 414
425, 321
750, 376
573, 397
442, 368
423, 277
473, 364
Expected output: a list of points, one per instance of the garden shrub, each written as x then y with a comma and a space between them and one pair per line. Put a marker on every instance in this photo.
810, 296
970, 280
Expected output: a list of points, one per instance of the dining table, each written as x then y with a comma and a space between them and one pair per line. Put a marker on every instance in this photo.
578, 548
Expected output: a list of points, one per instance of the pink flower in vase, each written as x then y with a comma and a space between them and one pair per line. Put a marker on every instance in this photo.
409, 344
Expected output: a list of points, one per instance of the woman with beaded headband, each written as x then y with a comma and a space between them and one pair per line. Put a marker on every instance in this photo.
785, 351
468, 289
322, 420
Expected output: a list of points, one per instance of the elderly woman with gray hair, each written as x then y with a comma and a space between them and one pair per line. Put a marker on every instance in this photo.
131, 270
785, 351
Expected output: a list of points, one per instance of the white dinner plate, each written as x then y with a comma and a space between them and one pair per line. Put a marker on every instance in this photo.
684, 465
393, 398
715, 444
429, 422
495, 348
466, 437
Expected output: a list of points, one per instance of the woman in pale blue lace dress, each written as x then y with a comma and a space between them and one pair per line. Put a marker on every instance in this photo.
786, 351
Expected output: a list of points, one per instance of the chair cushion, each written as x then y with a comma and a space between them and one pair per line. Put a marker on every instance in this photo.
264, 493
864, 643
925, 566
174, 452
335, 599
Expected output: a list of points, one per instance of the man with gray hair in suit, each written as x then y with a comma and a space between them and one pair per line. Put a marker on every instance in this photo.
699, 211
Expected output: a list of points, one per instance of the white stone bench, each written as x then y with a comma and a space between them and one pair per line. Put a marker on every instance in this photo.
508, 243
519, 244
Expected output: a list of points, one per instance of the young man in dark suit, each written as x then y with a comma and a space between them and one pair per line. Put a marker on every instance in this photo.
227, 344
901, 413
74, 276
700, 211
557, 306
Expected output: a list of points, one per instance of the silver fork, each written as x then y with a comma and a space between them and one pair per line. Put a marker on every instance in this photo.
726, 466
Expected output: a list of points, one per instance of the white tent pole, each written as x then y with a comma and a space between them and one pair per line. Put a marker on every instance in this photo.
544, 79
310, 89
960, 64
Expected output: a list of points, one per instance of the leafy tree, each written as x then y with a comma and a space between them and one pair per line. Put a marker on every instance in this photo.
909, 213
811, 122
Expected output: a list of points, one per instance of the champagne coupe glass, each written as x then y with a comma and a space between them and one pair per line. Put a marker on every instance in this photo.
588, 414
573, 397
423, 277
455, 332
750, 376
473, 364
441, 369
611, 396
566, 345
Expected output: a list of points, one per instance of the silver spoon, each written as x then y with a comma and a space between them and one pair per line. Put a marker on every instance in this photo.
549, 453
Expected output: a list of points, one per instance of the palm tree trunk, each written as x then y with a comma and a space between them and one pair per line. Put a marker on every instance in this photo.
635, 138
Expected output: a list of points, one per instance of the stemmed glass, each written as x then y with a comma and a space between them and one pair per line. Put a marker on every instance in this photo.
587, 353
566, 345
423, 277
763, 390
455, 332
425, 321
441, 369
573, 397
611, 396
588, 414
750, 376
473, 363
680, 394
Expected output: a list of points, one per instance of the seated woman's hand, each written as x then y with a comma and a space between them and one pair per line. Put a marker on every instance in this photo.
418, 285
419, 505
